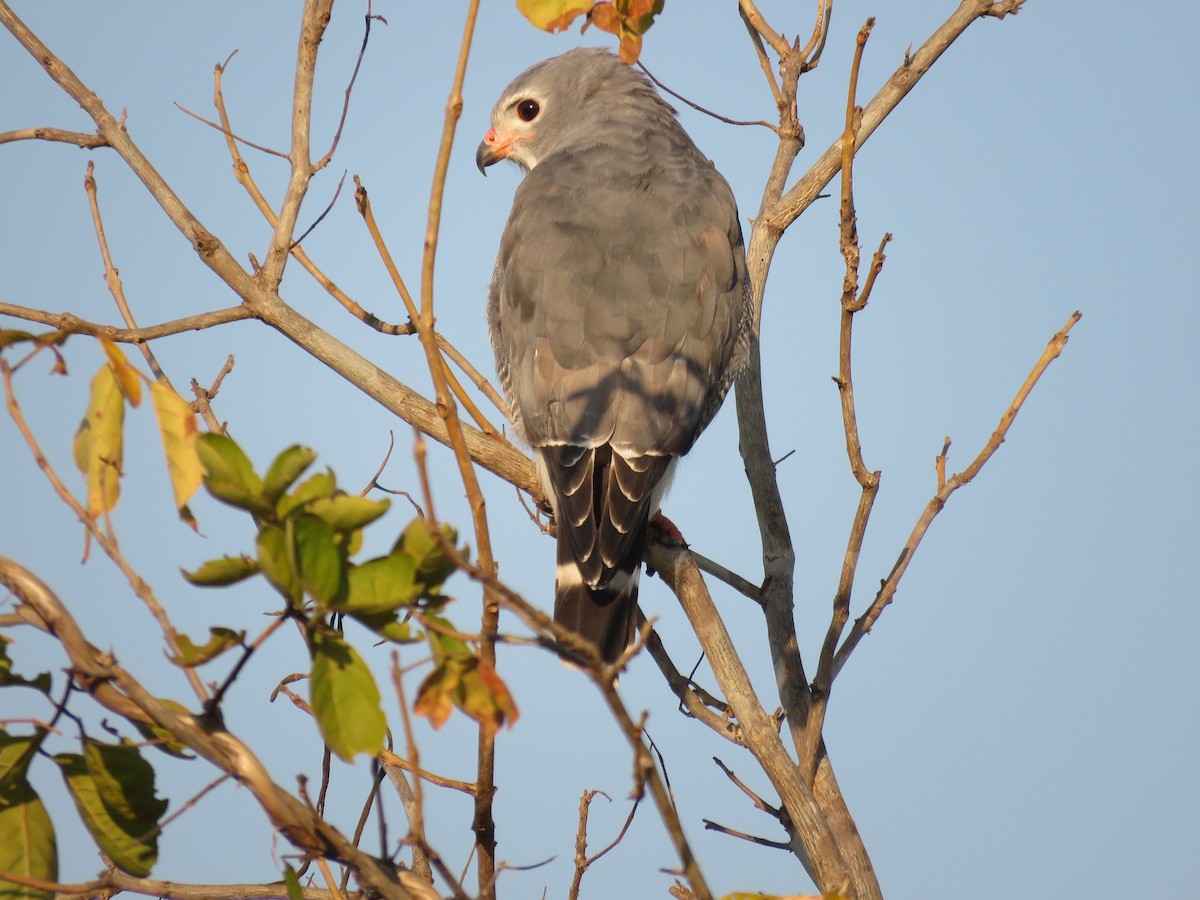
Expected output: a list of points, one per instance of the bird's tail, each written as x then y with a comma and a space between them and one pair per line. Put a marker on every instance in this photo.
605, 616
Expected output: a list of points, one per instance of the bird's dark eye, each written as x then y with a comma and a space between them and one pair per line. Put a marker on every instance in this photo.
528, 110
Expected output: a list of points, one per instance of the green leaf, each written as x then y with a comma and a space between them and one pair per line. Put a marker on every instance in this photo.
125, 843
286, 468
46, 339
11, 336
15, 755
27, 845
388, 626
344, 698
125, 782
163, 739
321, 562
222, 572
348, 512
380, 585
433, 567
444, 646
292, 882
352, 542
99, 447
316, 487
553, 15
275, 562
9, 678
220, 640
229, 475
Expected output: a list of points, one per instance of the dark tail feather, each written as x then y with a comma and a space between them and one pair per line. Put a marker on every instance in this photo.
607, 616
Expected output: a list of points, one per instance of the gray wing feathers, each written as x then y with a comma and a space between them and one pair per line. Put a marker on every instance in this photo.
620, 326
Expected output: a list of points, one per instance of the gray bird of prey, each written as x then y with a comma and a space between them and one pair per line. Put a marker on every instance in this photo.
619, 312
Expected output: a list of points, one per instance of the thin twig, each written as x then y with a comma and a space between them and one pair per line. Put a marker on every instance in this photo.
621, 834
71, 323
188, 804
710, 825
416, 809
113, 280
307, 231
374, 482
474, 375
761, 52
229, 134
939, 463
205, 396
581, 860
743, 586
759, 802
212, 705
400, 762
811, 54
363, 201
754, 17
362, 51
313, 21
699, 108
242, 174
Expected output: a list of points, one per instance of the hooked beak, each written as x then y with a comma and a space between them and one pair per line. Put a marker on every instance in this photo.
491, 150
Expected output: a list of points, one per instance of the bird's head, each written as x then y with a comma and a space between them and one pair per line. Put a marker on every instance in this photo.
559, 103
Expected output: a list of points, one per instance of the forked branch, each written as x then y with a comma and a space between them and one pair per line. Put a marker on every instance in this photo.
887, 591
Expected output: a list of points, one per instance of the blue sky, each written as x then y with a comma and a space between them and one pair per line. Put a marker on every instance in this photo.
1021, 720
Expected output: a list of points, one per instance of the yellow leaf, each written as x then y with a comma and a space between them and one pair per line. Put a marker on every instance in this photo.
127, 375
99, 444
177, 426
553, 15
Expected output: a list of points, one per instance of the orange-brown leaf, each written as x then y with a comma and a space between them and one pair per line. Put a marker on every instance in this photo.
605, 17
486, 698
631, 47
435, 695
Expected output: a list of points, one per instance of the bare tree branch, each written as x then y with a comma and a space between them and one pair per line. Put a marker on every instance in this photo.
852, 302
710, 825
113, 881
82, 140
887, 590
73, 324
903, 80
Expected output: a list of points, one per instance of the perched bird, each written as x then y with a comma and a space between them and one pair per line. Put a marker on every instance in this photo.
619, 313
